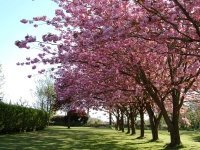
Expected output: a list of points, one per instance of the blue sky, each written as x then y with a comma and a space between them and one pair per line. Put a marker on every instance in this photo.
11, 12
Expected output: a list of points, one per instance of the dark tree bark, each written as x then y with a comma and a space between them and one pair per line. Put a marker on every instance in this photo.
175, 136
174, 127
171, 121
141, 111
117, 126
128, 122
110, 118
132, 119
68, 122
88, 111
122, 121
154, 122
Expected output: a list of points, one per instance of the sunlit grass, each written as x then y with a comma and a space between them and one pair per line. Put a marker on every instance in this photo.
85, 138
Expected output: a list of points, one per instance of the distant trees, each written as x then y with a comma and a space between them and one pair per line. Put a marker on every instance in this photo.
193, 112
194, 118
46, 94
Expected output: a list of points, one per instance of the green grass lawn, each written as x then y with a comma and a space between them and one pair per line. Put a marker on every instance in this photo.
82, 138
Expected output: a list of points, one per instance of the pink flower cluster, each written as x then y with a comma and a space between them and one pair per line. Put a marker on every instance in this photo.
42, 18
50, 37
59, 12
23, 43
24, 21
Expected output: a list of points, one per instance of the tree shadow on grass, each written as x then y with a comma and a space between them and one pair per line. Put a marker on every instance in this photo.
154, 141
61, 138
196, 138
169, 147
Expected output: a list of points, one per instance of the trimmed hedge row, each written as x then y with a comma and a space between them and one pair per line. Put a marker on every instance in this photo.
15, 118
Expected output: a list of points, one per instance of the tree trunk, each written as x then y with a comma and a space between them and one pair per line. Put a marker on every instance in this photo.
154, 122
50, 110
128, 124
88, 111
122, 122
42, 105
132, 117
110, 119
68, 122
174, 129
173, 123
154, 129
175, 137
117, 126
141, 122
154, 132
133, 130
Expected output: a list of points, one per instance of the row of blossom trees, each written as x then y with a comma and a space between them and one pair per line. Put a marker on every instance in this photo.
124, 55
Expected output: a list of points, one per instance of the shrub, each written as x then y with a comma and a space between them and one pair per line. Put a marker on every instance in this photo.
76, 117
15, 118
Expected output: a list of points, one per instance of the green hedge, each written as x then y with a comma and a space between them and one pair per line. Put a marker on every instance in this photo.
58, 121
15, 118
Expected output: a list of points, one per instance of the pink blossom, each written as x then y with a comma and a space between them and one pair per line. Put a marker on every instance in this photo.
59, 12
34, 67
28, 63
41, 18
29, 38
24, 21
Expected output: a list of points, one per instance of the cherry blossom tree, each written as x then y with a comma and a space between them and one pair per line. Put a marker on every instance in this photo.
106, 49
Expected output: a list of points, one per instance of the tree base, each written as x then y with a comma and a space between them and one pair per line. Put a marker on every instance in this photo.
154, 140
141, 137
173, 146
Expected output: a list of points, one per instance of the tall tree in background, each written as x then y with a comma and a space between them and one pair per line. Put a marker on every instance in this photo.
46, 94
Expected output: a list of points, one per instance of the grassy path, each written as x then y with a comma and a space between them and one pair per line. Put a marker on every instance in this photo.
58, 138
